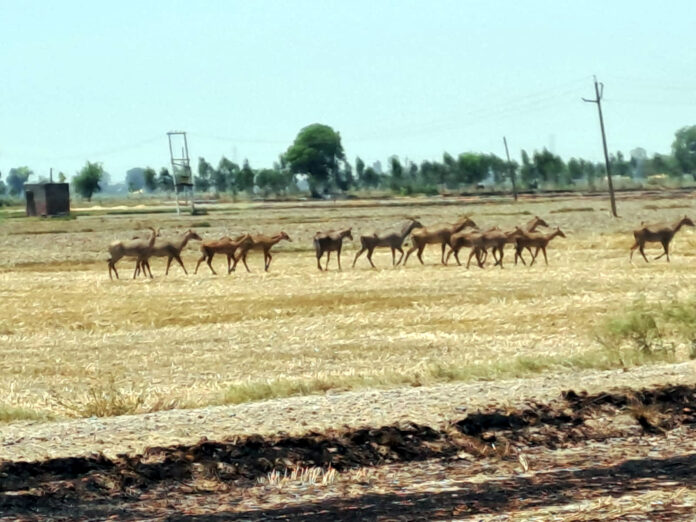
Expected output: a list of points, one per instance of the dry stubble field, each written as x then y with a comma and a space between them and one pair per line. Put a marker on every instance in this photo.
413, 446
68, 333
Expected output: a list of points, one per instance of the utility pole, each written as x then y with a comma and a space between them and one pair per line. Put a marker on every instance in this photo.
512, 172
599, 91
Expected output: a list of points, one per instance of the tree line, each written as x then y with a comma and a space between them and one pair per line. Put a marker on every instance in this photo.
316, 162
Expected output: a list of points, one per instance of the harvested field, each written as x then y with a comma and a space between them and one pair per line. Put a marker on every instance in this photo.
70, 335
75, 344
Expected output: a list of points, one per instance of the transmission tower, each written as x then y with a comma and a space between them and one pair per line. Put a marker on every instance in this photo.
181, 168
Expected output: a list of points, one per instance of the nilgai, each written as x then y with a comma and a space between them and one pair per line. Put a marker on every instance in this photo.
328, 242
137, 248
527, 240
171, 249
225, 245
260, 242
658, 233
393, 240
439, 235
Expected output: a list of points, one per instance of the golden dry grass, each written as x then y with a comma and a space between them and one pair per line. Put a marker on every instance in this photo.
69, 334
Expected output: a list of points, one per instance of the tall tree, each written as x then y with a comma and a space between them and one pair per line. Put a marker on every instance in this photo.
396, 170
16, 179
205, 175
345, 179
3, 187
274, 181
226, 175
150, 179
135, 179
684, 149
370, 178
165, 181
245, 179
528, 173
316, 152
549, 166
86, 181
359, 168
619, 165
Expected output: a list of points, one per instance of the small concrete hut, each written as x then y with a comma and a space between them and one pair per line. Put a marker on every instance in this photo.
47, 199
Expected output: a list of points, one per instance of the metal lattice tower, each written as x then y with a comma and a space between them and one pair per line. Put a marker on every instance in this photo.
181, 167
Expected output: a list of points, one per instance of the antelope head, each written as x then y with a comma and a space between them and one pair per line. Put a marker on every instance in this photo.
193, 235
283, 235
466, 221
540, 222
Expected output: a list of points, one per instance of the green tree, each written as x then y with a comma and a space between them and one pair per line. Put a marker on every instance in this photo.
205, 175
86, 181
226, 175
663, 164
273, 181
619, 165
3, 187
396, 171
345, 179
684, 149
245, 179
370, 178
165, 181
135, 179
16, 179
470, 169
61, 177
150, 179
359, 168
549, 166
528, 172
497, 166
316, 151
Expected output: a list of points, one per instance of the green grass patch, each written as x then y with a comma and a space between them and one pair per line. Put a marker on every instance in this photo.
11, 414
435, 373
653, 327
126, 211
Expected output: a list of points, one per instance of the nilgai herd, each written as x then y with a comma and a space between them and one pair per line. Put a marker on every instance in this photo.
464, 233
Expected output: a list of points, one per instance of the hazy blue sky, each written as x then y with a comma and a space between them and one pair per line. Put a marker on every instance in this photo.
105, 81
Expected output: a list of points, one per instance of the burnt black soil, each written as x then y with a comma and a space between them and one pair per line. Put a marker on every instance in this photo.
96, 486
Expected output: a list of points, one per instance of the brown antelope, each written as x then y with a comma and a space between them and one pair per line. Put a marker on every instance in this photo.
527, 240
260, 242
137, 248
392, 240
657, 233
328, 242
531, 226
225, 245
170, 250
493, 239
426, 235
460, 240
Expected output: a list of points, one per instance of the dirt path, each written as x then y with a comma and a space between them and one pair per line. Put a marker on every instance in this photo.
425, 405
